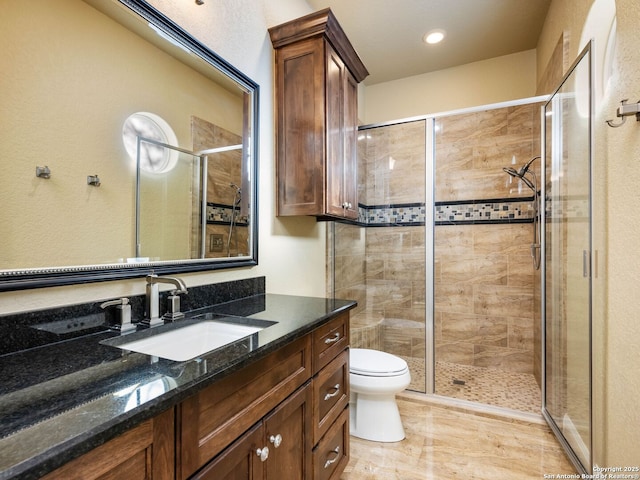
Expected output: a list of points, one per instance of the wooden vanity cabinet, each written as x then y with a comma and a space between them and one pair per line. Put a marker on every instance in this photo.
317, 76
219, 415
275, 448
293, 403
331, 398
145, 452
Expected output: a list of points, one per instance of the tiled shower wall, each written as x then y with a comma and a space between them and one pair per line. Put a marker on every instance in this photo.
483, 270
484, 276
383, 266
223, 169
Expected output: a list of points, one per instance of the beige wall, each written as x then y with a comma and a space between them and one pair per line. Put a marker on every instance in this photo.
89, 85
501, 79
616, 223
291, 251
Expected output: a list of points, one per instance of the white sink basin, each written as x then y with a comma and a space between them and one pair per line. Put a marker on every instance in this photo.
191, 341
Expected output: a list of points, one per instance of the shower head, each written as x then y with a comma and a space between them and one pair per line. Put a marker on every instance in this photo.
512, 171
526, 166
521, 174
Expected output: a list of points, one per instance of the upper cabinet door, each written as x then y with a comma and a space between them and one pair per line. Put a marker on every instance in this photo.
335, 134
300, 150
317, 73
350, 166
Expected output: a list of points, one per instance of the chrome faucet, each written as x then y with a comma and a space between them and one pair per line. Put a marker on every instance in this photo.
153, 299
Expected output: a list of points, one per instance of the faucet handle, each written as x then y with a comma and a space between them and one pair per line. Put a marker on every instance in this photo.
117, 301
121, 304
173, 306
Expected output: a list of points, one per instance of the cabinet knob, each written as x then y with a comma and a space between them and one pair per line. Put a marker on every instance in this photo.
333, 339
336, 451
263, 453
336, 389
276, 440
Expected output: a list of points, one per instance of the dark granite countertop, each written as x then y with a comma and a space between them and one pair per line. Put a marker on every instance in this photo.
60, 400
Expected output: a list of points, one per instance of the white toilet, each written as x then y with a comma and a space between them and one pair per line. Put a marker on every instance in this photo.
375, 378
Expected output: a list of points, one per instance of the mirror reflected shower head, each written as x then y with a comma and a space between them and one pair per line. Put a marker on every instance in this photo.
237, 199
532, 183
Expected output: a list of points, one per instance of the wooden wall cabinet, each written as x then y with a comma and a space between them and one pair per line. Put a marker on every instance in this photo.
317, 76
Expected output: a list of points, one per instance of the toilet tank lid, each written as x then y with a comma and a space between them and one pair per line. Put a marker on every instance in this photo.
375, 363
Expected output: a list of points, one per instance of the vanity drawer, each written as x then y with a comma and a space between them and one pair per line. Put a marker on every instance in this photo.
329, 340
331, 455
212, 419
330, 394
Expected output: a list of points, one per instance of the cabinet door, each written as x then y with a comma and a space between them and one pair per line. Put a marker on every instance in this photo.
300, 128
288, 437
335, 132
145, 452
350, 165
213, 418
240, 461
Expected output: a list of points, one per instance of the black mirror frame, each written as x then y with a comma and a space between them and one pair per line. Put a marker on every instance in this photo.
11, 280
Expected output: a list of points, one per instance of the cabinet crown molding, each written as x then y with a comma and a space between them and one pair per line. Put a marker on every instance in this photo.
320, 23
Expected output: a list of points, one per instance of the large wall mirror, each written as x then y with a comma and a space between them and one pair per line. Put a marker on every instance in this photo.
125, 144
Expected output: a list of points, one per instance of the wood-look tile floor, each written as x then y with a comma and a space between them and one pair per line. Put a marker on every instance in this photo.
448, 443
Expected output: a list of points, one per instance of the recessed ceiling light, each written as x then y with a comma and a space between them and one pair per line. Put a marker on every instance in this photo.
434, 36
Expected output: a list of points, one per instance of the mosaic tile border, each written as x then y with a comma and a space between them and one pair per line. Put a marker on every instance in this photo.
567, 208
465, 212
496, 210
221, 214
390, 215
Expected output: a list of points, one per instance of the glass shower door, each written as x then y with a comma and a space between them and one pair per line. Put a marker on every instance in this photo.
567, 266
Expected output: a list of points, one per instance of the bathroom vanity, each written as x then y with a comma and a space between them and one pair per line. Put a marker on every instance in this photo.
270, 405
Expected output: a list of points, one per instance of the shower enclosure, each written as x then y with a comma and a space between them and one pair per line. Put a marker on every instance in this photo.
567, 267
380, 259
196, 208
440, 259
466, 267
485, 235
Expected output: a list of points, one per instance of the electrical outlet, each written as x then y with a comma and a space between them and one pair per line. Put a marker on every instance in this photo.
72, 324
215, 242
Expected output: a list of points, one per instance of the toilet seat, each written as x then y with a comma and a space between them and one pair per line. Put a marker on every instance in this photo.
373, 363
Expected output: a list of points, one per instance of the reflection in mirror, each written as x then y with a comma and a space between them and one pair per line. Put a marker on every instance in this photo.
74, 71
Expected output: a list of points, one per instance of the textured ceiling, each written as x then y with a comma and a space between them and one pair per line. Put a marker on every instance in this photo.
387, 34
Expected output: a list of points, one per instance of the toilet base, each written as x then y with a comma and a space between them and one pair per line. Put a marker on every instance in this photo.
375, 418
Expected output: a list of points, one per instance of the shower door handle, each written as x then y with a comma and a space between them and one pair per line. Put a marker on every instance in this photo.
586, 264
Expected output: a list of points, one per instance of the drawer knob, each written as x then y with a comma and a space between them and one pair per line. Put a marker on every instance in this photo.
336, 389
276, 440
263, 453
333, 339
328, 463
